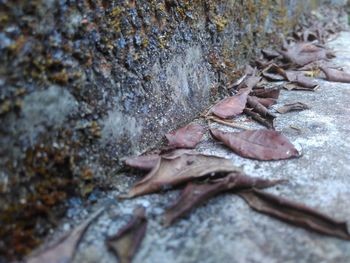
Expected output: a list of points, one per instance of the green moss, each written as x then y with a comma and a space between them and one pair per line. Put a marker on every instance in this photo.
220, 23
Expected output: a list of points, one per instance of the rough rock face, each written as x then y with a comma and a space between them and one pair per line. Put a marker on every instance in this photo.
84, 83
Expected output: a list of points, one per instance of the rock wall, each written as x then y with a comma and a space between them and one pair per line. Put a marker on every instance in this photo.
85, 83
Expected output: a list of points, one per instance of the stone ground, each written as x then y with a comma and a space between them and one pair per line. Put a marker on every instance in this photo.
225, 229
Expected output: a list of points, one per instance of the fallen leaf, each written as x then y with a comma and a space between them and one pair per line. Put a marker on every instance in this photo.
270, 53
294, 213
261, 145
261, 63
143, 162
126, 242
231, 106
266, 93
297, 106
294, 86
301, 80
250, 82
336, 75
254, 103
267, 122
186, 167
195, 194
148, 162
64, 249
185, 137
267, 102
274, 73
304, 53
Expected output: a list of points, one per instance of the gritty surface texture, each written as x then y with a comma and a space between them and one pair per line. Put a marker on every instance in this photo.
84, 83
225, 229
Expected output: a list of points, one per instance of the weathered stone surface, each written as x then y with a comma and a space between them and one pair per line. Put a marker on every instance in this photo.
225, 229
84, 83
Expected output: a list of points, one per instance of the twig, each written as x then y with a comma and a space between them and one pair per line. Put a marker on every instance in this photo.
230, 124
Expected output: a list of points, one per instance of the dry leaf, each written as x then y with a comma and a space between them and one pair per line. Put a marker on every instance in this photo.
267, 122
172, 172
148, 162
270, 53
336, 75
274, 73
267, 102
64, 249
143, 162
304, 53
294, 86
195, 194
257, 144
294, 213
231, 106
297, 106
249, 83
126, 242
266, 93
185, 137
254, 103
301, 80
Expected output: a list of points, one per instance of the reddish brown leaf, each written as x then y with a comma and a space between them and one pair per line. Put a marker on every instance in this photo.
301, 80
266, 93
64, 249
336, 75
297, 106
257, 144
126, 242
186, 167
250, 82
195, 194
261, 63
270, 53
267, 102
304, 53
185, 137
294, 86
294, 213
267, 122
148, 162
254, 103
274, 72
143, 162
231, 106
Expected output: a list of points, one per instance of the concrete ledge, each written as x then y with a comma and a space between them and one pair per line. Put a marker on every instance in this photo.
85, 83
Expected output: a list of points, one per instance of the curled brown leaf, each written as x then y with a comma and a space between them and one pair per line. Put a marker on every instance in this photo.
304, 53
336, 75
195, 194
169, 173
301, 80
64, 249
143, 162
294, 213
254, 103
126, 242
270, 53
268, 122
266, 93
296, 106
274, 72
267, 102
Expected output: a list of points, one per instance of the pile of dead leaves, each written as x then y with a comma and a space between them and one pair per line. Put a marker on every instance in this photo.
202, 177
